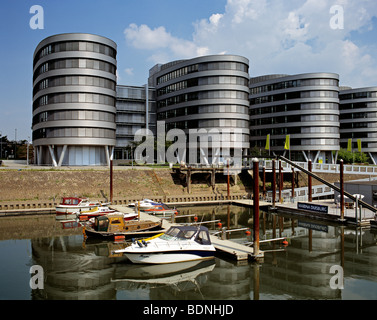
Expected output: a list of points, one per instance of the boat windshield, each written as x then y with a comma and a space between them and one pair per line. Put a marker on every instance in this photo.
178, 234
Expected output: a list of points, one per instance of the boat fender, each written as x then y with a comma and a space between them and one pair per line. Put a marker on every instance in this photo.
133, 240
139, 244
144, 243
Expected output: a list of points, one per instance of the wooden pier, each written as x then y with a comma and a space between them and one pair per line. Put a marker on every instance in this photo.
228, 248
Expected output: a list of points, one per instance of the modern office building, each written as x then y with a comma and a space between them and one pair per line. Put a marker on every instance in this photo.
74, 95
136, 109
82, 117
304, 107
358, 119
205, 94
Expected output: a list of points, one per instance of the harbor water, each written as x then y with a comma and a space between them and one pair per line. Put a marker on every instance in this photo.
320, 262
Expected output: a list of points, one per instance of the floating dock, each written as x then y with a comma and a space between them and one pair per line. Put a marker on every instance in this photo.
228, 248
352, 216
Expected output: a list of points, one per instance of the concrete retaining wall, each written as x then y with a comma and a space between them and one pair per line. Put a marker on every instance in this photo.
28, 205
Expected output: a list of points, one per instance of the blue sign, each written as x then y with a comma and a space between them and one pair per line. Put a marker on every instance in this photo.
312, 207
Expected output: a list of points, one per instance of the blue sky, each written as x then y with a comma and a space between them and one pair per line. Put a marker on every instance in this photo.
277, 36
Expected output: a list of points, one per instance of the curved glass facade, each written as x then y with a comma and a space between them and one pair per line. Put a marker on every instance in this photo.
74, 97
358, 119
304, 106
208, 92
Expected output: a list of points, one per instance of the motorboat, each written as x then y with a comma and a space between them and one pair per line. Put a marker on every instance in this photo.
84, 215
161, 210
144, 204
114, 226
178, 244
69, 206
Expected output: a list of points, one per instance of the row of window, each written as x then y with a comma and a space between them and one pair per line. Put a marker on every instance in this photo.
223, 94
178, 86
355, 135
75, 46
358, 115
73, 132
216, 123
294, 95
359, 125
130, 118
319, 142
232, 80
344, 145
127, 130
202, 109
178, 73
358, 95
294, 84
74, 98
75, 63
294, 118
179, 112
220, 108
203, 67
294, 107
130, 106
134, 93
293, 130
73, 115
320, 117
359, 105
74, 81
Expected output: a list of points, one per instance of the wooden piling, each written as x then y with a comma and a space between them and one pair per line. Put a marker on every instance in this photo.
188, 180
341, 191
228, 184
293, 184
264, 183
280, 182
256, 206
111, 181
273, 184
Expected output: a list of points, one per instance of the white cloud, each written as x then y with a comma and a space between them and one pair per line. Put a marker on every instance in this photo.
168, 47
129, 71
277, 36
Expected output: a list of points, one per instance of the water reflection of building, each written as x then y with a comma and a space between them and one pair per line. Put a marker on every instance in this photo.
72, 272
301, 271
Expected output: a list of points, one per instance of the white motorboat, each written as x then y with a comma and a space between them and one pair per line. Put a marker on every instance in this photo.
144, 204
178, 244
84, 215
69, 206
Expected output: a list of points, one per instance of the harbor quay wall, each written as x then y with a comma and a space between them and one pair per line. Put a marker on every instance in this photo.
46, 205
32, 189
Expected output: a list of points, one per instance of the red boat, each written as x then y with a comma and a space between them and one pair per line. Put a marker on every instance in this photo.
161, 210
69, 207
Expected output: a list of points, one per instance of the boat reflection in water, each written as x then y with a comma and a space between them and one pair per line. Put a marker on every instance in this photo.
76, 270
182, 276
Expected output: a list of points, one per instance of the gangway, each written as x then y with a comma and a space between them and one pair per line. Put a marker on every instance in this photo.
334, 187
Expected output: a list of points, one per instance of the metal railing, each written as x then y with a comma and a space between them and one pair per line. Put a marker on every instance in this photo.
323, 167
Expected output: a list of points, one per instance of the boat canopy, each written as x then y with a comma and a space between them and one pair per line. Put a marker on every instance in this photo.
187, 232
